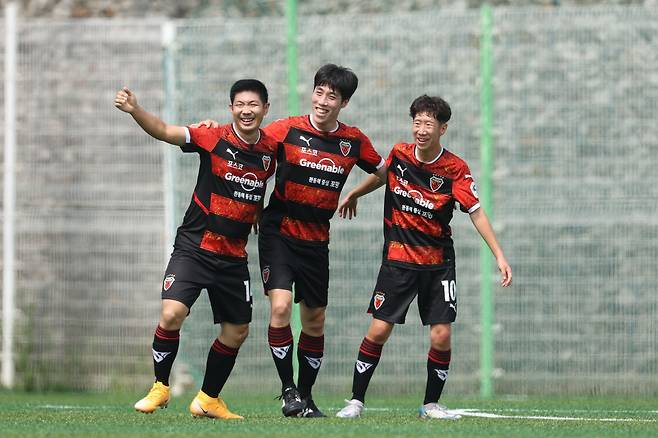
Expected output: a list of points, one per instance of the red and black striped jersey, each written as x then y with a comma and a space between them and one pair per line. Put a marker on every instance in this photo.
228, 193
312, 169
418, 204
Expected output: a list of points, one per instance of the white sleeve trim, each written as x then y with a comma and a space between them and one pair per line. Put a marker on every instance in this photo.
381, 164
187, 135
473, 208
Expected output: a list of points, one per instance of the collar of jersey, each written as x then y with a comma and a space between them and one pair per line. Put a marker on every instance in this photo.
310, 120
428, 162
237, 133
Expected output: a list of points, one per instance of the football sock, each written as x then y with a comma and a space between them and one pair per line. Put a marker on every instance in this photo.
165, 347
366, 362
310, 350
438, 363
280, 340
221, 359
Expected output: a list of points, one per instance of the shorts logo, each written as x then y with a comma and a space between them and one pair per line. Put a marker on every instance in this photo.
314, 362
159, 356
435, 183
168, 281
443, 374
266, 274
378, 300
266, 162
362, 367
345, 147
280, 352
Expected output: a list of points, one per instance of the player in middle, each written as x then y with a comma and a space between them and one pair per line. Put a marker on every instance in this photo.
316, 155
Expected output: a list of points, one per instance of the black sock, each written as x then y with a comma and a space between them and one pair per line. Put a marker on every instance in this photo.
165, 347
310, 350
367, 361
280, 340
218, 367
438, 363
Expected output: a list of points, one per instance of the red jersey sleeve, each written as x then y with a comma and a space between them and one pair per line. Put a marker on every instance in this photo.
202, 138
369, 160
465, 191
278, 129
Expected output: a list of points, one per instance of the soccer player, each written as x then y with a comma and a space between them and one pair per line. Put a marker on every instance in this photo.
209, 251
314, 160
424, 183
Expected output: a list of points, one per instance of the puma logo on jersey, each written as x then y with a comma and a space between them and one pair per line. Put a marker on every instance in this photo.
306, 140
443, 374
280, 352
362, 367
314, 362
453, 307
159, 356
401, 170
233, 154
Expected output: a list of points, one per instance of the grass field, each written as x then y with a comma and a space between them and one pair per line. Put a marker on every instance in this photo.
96, 415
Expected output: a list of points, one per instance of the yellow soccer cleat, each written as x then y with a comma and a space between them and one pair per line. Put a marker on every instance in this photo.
158, 397
206, 406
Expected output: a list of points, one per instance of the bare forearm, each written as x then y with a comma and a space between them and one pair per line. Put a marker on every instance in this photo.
370, 184
483, 226
157, 128
481, 223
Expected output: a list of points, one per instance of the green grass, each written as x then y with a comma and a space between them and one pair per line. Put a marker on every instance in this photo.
98, 415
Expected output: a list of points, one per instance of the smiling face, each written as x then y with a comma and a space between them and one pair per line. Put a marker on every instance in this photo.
427, 132
326, 104
248, 111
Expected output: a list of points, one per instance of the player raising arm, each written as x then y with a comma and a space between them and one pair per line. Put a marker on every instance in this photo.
209, 251
424, 182
317, 154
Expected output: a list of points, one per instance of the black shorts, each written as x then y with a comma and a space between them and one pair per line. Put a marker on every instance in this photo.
283, 263
227, 284
397, 287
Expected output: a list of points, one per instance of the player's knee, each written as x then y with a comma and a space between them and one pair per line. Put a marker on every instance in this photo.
313, 323
240, 334
440, 339
171, 319
378, 336
280, 312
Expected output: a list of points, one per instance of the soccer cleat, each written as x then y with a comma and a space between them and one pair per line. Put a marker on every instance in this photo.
310, 410
292, 403
436, 411
353, 409
206, 406
158, 397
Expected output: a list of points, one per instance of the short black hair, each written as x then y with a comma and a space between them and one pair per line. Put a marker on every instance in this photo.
249, 85
435, 106
338, 78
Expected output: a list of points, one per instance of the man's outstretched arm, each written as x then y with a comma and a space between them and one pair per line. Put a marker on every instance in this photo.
126, 101
347, 207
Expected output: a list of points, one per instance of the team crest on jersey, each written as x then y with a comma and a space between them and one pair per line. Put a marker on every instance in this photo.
435, 183
266, 162
266, 274
168, 281
345, 147
378, 300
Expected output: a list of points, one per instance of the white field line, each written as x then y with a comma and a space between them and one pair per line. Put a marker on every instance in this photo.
476, 413
72, 407
480, 414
